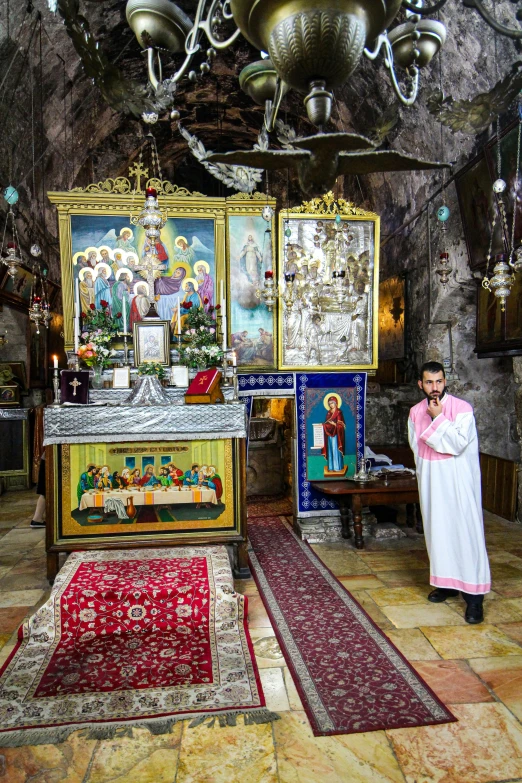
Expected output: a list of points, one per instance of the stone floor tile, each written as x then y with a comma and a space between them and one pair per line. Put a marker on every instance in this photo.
142, 758
268, 653
344, 758
470, 641
503, 675
454, 682
483, 746
508, 588
4, 638
20, 598
342, 562
273, 685
413, 644
513, 630
416, 615
405, 578
67, 761
397, 596
237, 754
371, 608
361, 582
294, 699
11, 618
257, 616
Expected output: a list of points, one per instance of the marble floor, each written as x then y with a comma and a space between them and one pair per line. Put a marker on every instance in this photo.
476, 670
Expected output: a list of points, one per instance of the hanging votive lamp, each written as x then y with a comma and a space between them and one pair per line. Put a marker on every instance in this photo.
13, 260
502, 280
443, 269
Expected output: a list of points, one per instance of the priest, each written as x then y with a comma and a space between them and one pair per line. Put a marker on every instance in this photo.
443, 437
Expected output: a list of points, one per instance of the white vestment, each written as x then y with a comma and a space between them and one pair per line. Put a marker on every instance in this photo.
448, 475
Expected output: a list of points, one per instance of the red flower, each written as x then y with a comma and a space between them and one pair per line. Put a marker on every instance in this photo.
205, 300
93, 307
84, 315
104, 303
188, 305
269, 274
218, 307
118, 315
185, 305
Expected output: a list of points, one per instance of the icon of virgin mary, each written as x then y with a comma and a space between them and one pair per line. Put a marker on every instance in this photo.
334, 436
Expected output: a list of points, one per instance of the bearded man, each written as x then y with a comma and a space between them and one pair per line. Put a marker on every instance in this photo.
443, 437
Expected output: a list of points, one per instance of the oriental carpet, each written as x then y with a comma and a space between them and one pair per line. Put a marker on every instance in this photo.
267, 505
350, 677
143, 638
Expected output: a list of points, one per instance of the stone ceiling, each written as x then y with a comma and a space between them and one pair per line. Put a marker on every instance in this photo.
56, 119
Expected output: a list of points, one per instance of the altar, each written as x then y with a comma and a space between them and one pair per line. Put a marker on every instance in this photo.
120, 476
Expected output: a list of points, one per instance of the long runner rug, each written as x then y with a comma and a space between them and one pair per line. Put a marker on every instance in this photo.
126, 638
350, 677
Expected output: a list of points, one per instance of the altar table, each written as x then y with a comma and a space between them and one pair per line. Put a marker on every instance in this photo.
353, 495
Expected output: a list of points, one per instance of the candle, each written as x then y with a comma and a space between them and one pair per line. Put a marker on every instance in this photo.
179, 317
234, 359
124, 314
221, 292
76, 335
224, 328
76, 299
55, 360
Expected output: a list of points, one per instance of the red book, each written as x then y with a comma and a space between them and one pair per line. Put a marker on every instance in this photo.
205, 387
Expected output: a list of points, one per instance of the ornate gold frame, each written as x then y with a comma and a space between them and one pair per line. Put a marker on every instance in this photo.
328, 207
252, 204
118, 196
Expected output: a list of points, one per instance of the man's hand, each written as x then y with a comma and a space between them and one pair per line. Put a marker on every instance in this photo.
434, 407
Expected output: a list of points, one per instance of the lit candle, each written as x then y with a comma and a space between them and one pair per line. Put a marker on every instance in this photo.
179, 317
124, 314
55, 360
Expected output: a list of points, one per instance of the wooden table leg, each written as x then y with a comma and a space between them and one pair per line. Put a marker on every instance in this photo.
357, 521
52, 566
344, 508
410, 519
242, 571
419, 527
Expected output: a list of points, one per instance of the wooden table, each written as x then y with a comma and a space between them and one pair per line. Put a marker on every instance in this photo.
352, 495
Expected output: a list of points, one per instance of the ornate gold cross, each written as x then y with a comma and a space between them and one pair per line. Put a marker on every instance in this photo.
138, 171
75, 383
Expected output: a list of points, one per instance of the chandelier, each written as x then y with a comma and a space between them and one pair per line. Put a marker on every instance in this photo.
152, 220
9, 250
313, 46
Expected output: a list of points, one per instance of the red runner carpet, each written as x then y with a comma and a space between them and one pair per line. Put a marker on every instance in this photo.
132, 637
350, 677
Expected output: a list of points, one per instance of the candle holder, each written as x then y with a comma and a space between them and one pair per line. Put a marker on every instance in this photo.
235, 398
226, 381
56, 388
125, 347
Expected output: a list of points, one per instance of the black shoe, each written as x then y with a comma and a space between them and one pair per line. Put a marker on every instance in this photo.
440, 594
474, 614
34, 523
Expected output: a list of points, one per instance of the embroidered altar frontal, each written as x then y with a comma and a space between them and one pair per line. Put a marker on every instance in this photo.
133, 638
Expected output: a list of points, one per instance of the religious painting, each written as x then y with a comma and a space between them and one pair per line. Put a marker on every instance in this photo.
328, 279
508, 172
16, 291
146, 490
9, 396
105, 256
17, 370
330, 411
151, 342
250, 254
391, 319
477, 210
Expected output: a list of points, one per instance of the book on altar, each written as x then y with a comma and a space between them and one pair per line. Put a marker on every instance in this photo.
74, 386
205, 388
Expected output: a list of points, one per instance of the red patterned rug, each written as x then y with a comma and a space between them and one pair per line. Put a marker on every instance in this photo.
132, 638
267, 505
349, 675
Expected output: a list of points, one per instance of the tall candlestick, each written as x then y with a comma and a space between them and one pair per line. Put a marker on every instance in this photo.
124, 314
76, 334
224, 328
76, 299
179, 317
221, 291
55, 360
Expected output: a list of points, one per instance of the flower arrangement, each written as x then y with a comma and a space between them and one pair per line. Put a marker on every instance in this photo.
153, 368
98, 329
199, 346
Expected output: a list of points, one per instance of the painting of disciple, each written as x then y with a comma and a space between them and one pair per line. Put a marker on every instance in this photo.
205, 284
102, 288
140, 303
191, 300
120, 294
106, 256
86, 289
119, 261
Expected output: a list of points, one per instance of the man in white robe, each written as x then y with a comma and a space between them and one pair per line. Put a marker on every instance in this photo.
443, 437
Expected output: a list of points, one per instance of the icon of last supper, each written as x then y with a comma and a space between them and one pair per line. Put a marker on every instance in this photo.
144, 487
